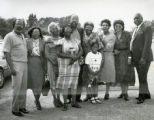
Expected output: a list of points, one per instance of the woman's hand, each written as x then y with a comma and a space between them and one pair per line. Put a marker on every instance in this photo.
71, 62
116, 52
13, 72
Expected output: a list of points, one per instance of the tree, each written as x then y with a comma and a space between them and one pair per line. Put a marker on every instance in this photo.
3, 27
32, 21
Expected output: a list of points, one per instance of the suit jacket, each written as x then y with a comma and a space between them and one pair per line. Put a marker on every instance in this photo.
42, 51
141, 46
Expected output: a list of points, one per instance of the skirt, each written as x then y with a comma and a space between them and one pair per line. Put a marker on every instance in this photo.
125, 73
35, 74
68, 74
53, 74
107, 73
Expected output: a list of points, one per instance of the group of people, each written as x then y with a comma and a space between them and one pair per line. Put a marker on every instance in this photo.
74, 58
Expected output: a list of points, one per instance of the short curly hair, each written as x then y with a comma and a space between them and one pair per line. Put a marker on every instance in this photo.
30, 31
106, 21
121, 22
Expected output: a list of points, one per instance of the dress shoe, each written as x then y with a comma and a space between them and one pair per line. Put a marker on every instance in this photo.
76, 105
38, 105
147, 96
120, 96
23, 110
106, 97
126, 97
140, 101
139, 96
79, 100
17, 113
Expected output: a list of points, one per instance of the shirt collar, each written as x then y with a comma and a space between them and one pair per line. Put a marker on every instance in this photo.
139, 25
20, 36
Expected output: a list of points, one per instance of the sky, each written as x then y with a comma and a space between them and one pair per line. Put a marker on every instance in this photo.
87, 10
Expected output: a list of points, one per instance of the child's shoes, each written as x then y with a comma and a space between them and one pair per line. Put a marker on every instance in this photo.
98, 100
93, 101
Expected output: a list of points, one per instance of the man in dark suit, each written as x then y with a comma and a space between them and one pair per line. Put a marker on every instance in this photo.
142, 56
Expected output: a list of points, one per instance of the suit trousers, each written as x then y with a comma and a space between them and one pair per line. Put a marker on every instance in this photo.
19, 84
142, 75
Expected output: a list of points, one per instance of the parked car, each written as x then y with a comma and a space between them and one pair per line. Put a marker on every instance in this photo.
4, 69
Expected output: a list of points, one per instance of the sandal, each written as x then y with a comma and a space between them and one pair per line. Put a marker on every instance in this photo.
98, 100
93, 101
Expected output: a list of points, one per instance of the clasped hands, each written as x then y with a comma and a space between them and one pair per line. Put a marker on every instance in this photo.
73, 59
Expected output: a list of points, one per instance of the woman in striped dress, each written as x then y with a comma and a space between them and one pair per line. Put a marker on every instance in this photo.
69, 67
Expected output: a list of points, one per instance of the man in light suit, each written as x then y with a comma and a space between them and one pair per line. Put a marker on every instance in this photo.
15, 51
142, 56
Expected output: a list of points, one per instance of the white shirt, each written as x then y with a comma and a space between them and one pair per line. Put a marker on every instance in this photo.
36, 50
94, 61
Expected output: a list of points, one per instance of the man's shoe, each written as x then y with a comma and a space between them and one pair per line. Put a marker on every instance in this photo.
17, 113
23, 110
140, 101
147, 96
139, 96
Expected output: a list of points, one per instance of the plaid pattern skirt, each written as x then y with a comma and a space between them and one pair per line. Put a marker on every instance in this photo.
68, 74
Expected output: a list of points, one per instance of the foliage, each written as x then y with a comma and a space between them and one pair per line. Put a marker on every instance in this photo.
6, 24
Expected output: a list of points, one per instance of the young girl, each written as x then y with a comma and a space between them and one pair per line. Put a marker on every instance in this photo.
94, 61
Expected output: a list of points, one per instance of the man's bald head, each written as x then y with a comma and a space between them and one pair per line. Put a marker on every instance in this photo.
138, 19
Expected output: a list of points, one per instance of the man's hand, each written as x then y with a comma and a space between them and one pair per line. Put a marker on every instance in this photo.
142, 62
13, 72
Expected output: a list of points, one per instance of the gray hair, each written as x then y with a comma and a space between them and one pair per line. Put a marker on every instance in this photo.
53, 25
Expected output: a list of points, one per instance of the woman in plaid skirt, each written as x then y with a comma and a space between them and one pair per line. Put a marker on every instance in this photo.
69, 66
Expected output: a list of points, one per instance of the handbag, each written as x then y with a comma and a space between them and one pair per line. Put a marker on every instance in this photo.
46, 86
